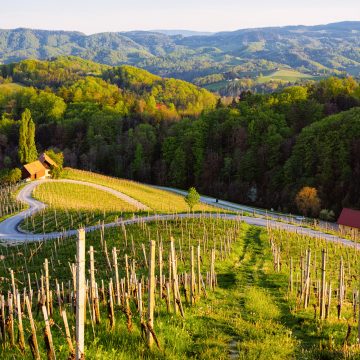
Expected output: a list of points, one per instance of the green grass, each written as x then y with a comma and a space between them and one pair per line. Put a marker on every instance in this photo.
284, 75
155, 199
216, 86
250, 314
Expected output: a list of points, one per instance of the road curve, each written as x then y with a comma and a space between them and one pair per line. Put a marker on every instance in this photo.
9, 228
10, 234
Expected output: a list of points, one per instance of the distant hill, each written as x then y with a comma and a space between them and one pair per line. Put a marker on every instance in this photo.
311, 50
184, 33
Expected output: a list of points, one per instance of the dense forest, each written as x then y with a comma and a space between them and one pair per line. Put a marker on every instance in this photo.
127, 122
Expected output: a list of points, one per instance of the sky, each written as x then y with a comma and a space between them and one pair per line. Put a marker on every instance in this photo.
92, 16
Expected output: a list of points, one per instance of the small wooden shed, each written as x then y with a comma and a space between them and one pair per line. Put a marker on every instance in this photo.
349, 223
34, 171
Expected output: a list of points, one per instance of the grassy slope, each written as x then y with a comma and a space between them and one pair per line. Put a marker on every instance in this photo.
286, 75
79, 197
248, 315
73, 206
158, 200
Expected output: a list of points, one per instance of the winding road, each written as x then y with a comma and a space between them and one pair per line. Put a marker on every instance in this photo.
10, 233
9, 228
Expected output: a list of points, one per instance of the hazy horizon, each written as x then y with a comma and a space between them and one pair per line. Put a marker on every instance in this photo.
92, 17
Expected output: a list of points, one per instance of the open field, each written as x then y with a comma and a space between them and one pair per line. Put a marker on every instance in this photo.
286, 75
157, 200
251, 314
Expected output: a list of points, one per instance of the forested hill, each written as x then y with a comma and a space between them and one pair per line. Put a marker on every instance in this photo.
262, 149
75, 80
312, 50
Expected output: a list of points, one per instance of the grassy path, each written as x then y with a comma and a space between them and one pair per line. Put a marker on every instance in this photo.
244, 320
250, 316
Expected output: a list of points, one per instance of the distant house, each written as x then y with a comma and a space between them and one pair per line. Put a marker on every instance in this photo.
349, 223
48, 163
39, 169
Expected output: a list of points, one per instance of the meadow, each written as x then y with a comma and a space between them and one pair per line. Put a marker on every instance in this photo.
284, 75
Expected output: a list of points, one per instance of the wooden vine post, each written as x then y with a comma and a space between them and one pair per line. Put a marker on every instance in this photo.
291, 280
47, 286
198, 271
48, 336
151, 298
34, 347
323, 285
21, 340
192, 277
80, 295
67, 332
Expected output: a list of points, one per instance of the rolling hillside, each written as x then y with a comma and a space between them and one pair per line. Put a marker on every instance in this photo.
332, 48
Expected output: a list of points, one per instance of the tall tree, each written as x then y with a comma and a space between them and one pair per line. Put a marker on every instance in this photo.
27, 147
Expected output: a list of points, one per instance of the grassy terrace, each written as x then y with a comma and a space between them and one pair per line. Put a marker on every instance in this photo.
157, 200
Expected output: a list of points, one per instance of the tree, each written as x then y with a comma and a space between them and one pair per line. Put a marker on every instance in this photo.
192, 198
27, 148
307, 201
327, 215
10, 176
58, 157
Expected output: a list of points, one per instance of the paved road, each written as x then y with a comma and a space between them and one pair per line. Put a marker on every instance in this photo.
9, 228
9, 232
227, 205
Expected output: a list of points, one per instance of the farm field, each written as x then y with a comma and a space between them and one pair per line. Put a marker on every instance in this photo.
255, 311
286, 75
155, 199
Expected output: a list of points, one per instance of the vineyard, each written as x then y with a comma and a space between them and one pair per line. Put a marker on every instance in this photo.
8, 203
157, 200
183, 288
71, 206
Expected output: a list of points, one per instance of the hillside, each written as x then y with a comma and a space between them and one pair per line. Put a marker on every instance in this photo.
76, 80
314, 50
126, 122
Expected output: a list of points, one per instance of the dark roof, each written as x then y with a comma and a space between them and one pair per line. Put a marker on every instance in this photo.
47, 160
349, 217
34, 167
